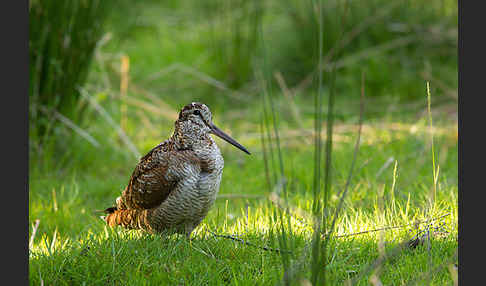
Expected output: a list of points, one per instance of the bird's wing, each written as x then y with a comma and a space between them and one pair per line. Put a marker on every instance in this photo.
156, 176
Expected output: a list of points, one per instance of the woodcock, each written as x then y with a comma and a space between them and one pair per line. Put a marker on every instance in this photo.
175, 184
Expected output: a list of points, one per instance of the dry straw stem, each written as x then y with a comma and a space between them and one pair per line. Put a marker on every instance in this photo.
375, 280
385, 166
152, 108
54, 200
179, 67
66, 121
54, 240
100, 58
106, 115
124, 69
234, 94
34, 231
163, 108
289, 95
146, 121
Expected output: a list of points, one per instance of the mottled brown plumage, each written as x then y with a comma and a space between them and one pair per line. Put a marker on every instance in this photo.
174, 184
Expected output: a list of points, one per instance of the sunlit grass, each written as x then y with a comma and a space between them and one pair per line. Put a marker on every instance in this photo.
100, 255
65, 205
172, 62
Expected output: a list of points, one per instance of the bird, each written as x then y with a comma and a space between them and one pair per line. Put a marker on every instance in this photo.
173, 186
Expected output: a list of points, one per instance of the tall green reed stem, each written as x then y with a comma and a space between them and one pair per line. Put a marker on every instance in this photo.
62, 39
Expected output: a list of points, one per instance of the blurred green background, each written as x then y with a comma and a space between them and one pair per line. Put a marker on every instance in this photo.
107, 79
211, 51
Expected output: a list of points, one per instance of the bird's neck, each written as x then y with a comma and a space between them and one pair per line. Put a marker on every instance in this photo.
193, 139
203, 146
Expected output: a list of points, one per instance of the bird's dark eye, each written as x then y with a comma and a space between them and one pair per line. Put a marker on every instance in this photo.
196, 112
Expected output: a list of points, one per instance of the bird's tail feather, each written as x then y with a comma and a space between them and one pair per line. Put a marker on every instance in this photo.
132, 219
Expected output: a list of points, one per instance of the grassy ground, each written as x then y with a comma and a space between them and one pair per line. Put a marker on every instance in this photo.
70, 177
85, 251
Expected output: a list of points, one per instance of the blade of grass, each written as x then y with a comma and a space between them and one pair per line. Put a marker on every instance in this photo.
355, 155
284, 235
265, 159
266, 126
434, 182
316, 260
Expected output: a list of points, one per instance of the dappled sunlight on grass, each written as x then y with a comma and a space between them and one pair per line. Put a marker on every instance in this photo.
65, 206
259, 232
102, 251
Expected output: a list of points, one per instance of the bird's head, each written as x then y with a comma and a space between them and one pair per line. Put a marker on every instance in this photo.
195, 122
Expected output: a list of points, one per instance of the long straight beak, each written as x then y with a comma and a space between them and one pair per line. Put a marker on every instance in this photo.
218, 132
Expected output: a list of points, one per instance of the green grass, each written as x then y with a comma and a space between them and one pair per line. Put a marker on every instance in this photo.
64, 202
70, 178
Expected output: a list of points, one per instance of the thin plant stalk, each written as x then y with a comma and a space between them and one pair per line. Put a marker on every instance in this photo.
316, 263
266, 126
355, 155
329, 142
432, 141
264, 151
